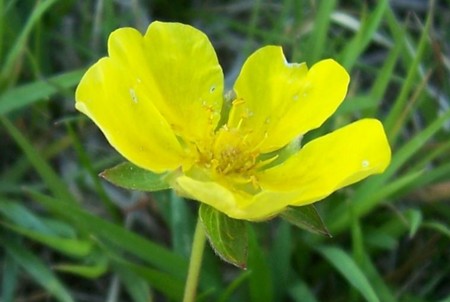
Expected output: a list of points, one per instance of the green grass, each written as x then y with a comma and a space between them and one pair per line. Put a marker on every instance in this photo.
67, 235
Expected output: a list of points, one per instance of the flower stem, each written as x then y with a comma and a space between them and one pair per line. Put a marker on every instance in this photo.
195, 263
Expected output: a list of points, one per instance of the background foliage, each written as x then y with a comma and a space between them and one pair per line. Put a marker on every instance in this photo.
66, 235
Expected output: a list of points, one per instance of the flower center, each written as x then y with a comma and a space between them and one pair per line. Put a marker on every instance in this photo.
230, 154
234, 160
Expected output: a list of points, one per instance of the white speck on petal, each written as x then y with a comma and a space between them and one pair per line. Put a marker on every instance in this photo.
365, 163
295, 97
139, 80
133, 95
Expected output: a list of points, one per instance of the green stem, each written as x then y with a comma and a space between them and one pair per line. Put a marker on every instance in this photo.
195, 263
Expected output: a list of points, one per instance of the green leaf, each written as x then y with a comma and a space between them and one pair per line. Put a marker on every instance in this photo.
307, 218
130, 176
350, 270
228, 237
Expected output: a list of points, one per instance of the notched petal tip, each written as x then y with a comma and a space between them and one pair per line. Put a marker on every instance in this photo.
332, 75
173, 26
268, 50
292, 97
187, 74
121, 39
334, 66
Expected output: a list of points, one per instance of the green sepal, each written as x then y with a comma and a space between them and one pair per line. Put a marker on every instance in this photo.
307, 218
227, 236
283, 154
130, 176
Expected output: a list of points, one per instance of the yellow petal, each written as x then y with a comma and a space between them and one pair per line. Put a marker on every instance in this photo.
187, 79
234, 203
211, 193
154, 92
267, 204
127, 117
330, 162
278, 101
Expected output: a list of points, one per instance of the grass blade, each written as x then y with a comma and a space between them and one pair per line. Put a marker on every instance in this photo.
20, 97
260, 282
137, 287
300, 292
393, 121
53, 181
345, 265
363, 37
106, 231
23, 217
19, 45
37, 270
317, 41
68, 246
181, 222
10, 279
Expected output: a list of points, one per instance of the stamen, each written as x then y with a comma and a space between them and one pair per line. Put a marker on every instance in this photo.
239, 101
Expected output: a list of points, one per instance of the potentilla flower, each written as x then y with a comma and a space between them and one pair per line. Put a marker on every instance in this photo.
159, 100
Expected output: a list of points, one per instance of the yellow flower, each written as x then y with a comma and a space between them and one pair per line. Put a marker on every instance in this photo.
159, 100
